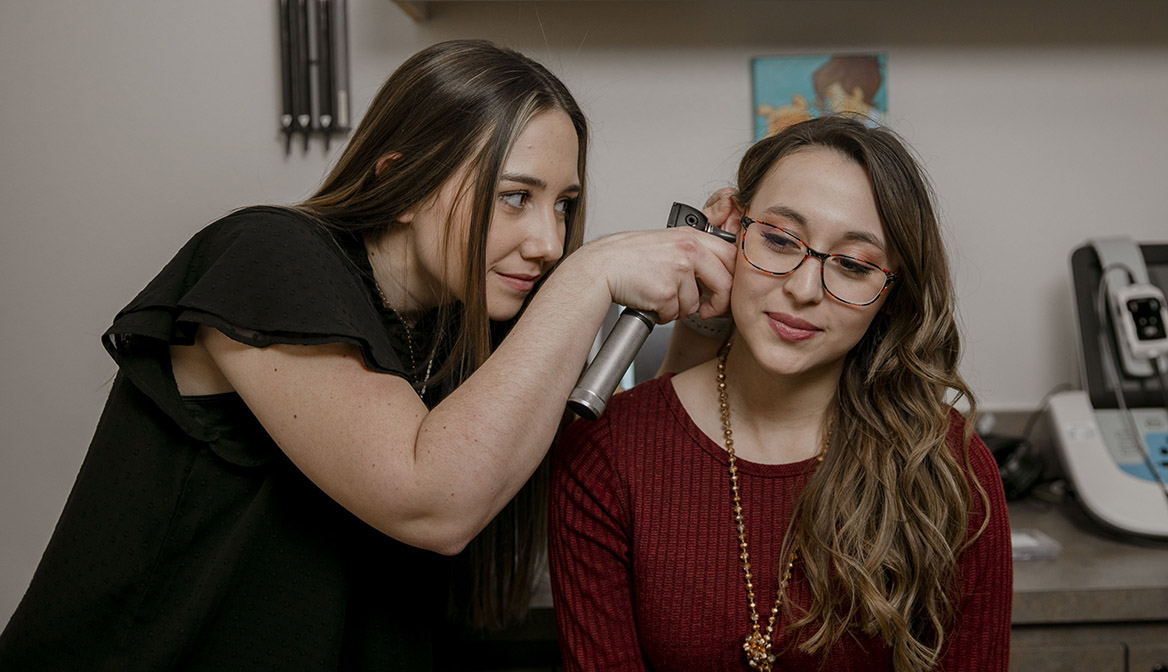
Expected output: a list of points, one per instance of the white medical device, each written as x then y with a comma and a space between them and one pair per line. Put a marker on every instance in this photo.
1112, 436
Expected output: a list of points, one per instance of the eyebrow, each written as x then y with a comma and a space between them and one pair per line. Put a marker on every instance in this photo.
533, 181
797, 217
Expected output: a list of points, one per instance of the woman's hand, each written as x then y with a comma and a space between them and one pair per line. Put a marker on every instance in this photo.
699, 339
662, 270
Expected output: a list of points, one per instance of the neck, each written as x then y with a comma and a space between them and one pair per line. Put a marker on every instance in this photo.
404, 289
777, 419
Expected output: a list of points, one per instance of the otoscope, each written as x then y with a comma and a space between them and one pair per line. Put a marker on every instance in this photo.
604, 373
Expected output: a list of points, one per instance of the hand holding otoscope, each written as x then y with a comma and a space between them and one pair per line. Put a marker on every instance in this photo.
603, 374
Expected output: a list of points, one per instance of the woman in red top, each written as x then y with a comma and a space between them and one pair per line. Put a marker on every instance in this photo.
808, 499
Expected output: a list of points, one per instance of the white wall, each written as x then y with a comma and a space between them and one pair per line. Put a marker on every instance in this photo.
129, 124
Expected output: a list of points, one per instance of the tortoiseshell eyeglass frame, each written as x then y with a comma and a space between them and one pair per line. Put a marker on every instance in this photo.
889, 277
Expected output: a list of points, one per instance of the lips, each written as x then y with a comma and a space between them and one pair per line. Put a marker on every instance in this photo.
792, 329
520, 282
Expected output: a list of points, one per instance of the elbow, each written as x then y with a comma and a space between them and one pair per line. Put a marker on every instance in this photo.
445, 527
450, 547
449, 543
444, 537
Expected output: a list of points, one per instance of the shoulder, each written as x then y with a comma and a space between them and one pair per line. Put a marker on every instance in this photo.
634, 410
276, 229
649, 398
630, 418
988, 499
273, 216
981, 461
265, 275
258, 256
275, 254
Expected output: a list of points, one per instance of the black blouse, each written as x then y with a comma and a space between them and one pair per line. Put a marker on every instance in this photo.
190, 541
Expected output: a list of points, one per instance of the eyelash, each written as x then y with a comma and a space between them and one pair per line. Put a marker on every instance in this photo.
526, 196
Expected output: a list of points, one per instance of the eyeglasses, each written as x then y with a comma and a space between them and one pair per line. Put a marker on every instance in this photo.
779, 252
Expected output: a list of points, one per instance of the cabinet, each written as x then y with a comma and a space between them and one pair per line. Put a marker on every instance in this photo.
1101, 605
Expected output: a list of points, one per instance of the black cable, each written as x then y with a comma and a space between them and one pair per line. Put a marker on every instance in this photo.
1162, 374
1037, 413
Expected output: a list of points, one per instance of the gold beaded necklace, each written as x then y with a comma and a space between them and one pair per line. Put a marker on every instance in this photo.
758, 644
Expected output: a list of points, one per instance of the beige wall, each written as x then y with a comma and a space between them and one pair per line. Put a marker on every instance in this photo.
129, 124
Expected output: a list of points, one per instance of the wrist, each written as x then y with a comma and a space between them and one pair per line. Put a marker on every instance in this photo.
577, 282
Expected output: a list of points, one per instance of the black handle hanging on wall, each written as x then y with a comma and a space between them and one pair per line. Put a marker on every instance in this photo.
314, 68
302, 75
286, 118
324, 61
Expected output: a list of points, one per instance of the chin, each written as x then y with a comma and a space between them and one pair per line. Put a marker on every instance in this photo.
779, 358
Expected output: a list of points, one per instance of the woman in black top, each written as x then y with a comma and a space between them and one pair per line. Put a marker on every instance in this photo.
314, 404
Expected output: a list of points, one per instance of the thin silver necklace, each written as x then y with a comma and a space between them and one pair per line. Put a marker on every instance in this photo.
410, 344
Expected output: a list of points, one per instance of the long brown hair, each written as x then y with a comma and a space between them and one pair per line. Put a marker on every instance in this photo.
455, 109
883, 519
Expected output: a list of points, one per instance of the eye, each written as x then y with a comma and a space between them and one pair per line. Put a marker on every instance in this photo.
780, 241
854, 267
564, 206
516, 199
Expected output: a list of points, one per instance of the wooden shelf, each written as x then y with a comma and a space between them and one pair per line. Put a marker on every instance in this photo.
418, 10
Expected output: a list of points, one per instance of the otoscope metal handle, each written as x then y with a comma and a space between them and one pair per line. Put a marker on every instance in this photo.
620, 348
596, 386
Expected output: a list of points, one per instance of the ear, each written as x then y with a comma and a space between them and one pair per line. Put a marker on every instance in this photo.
382, 164
407, 217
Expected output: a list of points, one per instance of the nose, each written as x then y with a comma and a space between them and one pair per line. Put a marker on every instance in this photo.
805, 283
545, 238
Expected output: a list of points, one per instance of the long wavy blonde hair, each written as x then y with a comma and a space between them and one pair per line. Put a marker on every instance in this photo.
881, 523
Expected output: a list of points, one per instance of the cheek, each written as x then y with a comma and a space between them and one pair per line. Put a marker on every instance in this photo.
749, 288
860, 327
501, 238
738, 292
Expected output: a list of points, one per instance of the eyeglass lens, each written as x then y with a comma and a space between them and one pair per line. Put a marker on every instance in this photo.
775, 251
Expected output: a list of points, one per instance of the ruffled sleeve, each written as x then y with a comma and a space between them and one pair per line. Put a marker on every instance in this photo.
261, 276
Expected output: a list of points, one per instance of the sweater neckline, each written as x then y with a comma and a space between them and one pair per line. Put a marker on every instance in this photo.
717, 451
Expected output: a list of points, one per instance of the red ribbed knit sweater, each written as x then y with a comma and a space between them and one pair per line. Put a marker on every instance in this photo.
644, 552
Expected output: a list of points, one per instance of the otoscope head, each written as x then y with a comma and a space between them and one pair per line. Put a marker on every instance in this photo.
685, 215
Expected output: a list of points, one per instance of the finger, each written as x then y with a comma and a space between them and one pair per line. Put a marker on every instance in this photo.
716, 272
723, 193
733, 221
689, 298
724, 213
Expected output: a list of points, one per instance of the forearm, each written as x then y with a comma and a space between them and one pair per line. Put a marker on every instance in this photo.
479, 446
490, 434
